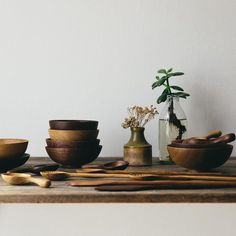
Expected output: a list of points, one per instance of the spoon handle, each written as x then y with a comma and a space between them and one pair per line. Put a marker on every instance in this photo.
213, 134
100, 175
44, 183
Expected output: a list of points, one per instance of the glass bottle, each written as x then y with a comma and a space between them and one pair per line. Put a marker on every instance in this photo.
172, 126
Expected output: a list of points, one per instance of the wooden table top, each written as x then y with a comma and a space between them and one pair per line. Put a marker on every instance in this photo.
60, 192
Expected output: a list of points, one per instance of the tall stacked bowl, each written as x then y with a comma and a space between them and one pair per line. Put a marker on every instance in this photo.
73, 142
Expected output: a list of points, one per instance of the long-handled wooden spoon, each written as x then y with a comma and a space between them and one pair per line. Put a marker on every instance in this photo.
20, 179
162, 180
62, 175
169, 185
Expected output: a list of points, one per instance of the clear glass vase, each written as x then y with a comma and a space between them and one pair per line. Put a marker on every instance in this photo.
172, 126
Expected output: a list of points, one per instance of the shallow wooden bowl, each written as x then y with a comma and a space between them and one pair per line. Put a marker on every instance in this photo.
71, 144
75, 157
11, 148
200, 159
73, 135
73, 124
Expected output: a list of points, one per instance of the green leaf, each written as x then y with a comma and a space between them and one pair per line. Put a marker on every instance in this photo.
157, 77
162, 98
177, 88
169, 70
176, 74
154, 85
182, 94
162, 71
161, 81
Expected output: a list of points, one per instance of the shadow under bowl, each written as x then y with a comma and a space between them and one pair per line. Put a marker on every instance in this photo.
200, 159
71, 144
75, 157
12, 148
73, 135
73, 124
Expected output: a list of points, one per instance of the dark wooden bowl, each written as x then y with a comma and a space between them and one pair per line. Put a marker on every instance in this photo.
72, 144
75, 157
73, 124
200, 159
10, 163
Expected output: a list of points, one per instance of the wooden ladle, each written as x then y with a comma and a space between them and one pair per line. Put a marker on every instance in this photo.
21, 179
62, 175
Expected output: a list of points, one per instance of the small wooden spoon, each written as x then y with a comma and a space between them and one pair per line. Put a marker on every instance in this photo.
20, 179
62, 175
115, 165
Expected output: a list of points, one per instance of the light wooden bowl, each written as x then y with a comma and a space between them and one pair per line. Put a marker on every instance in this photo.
11, 148
74, 157
200, 159
73, 135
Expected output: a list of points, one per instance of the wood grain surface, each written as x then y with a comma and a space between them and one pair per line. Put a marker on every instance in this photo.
60, 192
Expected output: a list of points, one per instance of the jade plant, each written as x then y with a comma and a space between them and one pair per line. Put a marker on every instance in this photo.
162, 79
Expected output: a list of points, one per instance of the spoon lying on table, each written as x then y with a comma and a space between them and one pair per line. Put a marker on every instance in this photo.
20, 179
115, 165
62, 175
35, 169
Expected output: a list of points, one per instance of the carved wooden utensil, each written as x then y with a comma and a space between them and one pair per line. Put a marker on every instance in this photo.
169, 185
115, 165
162, 180
62, 175
21, 179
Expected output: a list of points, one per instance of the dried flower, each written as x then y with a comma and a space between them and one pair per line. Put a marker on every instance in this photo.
139, 116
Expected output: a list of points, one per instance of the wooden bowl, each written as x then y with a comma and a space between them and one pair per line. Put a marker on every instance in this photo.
11, 148
200, 159
73, 124
74, 157
11, 163
71, 144
73, 135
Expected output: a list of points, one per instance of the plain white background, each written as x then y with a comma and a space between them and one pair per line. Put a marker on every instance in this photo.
90, 60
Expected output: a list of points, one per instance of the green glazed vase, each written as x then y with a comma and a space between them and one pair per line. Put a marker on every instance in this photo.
138, 152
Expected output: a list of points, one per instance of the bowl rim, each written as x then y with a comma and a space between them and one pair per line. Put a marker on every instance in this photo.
215, 147
72, 148
73, 121
73, 131
19, 141
66, 141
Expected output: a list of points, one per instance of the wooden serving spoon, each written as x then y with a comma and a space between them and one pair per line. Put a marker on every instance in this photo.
223, 139
115, 165
168, 185
211, 134
62, 175
21, 179
162, 179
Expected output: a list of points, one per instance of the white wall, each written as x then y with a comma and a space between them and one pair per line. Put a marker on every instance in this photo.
92, 59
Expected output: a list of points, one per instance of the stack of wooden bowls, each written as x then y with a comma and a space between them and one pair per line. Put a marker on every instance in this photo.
73, 142
12, 153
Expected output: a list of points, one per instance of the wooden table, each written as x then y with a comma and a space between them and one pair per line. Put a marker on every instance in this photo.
60, 192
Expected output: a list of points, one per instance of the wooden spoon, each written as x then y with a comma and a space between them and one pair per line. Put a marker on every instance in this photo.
162, 179
115, 165
169, 185
211, 134
20, 179
62, 175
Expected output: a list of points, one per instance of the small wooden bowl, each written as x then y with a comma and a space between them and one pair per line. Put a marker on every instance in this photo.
73, 124
12, 148
71, 144
73, 135
200, 159
75, 157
